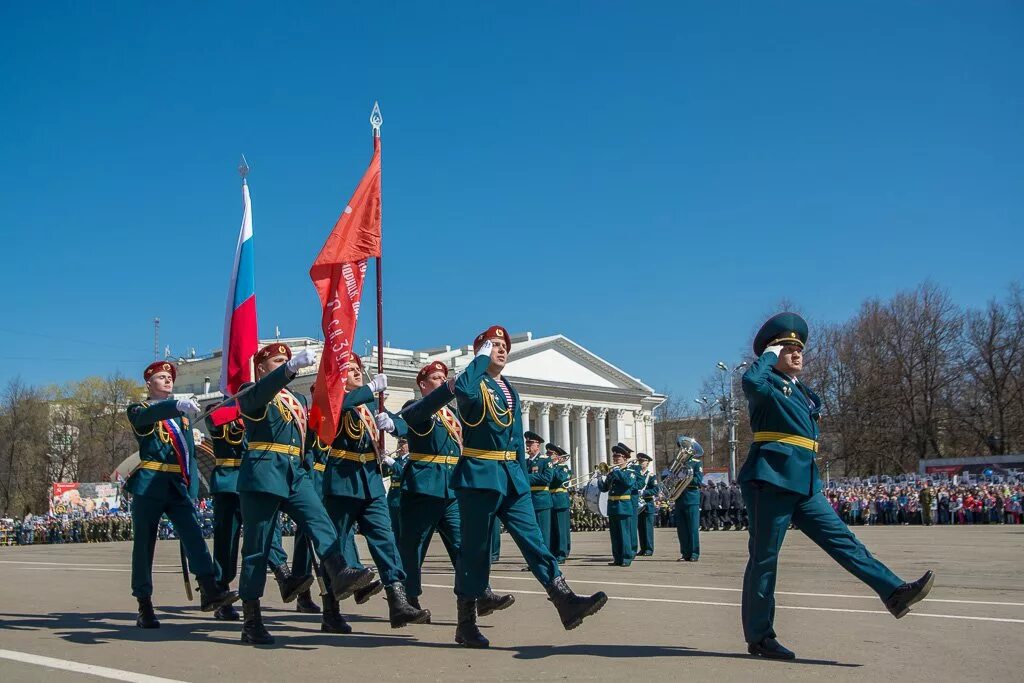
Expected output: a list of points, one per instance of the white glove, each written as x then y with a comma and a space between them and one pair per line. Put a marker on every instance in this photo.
379, 383
389, 461
776, 349
188, 406
485, 349
197, 436
385, 423
302, 359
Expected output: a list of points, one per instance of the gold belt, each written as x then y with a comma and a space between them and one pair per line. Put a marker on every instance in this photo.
558, 490
539, 488
489, 455
319, 466
228, 462
792, 439
431, 459
354, 457
281, 448
627, 497
159, 467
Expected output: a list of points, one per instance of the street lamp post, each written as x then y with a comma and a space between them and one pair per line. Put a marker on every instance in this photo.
708, 405
731, 413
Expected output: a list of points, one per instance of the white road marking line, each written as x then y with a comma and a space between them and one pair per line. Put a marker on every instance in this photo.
77, 564
740, 590
77, 667
736, 604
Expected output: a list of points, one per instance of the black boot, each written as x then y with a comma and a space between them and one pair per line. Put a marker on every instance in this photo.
414, 601
332, 621
572, 608
305, 604
226, 613
147, 617
363, 595
213, 596
769, 648
290, 584
344, 579
908, 594
492, 602
466, 633
399, 609
253, 631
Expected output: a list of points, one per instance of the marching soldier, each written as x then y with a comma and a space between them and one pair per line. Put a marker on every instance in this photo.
354, 494
538, 473
560, 533
167, 482
396, 471
645, 516
620, 484
272, 479
687, 510
781, 485
491, 485
428, 500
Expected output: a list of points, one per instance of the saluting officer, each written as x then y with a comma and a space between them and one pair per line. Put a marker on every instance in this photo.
645, 517
428, 499
781, 485
491, 485
561, 542
166, 482
687, 511
620, 483
272, 480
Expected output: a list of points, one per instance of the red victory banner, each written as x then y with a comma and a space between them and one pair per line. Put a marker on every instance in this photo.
338, 274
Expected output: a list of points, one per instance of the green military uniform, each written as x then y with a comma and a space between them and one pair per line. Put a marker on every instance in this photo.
354, 489
428, 499
273, 479
646, 482
538, 474
160, 486
490, 481
634, 498
781, 485
620, 484
395, 472
561, 543
687, 511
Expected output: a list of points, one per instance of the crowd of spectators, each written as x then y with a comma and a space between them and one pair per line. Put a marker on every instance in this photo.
926, 502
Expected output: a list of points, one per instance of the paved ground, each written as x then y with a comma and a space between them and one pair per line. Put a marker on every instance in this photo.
72, 603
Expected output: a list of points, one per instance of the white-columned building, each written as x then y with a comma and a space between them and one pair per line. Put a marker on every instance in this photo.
569, 395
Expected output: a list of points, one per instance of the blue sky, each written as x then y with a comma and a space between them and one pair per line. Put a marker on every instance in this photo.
649, 179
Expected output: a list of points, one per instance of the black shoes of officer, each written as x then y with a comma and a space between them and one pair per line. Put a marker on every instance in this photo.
253, 631
492, 602
900, 602
364, 594
290, 584
332, 621
769, 648
213, 596
147, 617
344, 579
572, 608
400, 612
466, 632
304, 603
226, 613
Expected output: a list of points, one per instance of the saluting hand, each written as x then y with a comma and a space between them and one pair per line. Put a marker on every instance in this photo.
776, 349
379, 383
385, 423
485, 348
303, 359
188, 406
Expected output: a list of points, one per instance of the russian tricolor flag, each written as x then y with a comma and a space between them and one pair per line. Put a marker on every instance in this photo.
241, 339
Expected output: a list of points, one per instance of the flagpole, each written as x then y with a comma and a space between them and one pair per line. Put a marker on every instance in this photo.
376, 120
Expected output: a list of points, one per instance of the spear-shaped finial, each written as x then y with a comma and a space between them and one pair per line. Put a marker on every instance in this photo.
243, 168
376, 119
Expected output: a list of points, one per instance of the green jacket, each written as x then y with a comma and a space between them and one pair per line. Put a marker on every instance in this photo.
619, 484
275, 439
489, 425
539, 474
559, 495
779, 404
154, 437
316, 460
353, 478
433, 445
647, 483
228, 449
396, 472
691, 495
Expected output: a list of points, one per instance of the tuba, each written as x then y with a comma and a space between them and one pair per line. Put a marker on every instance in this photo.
680, 473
